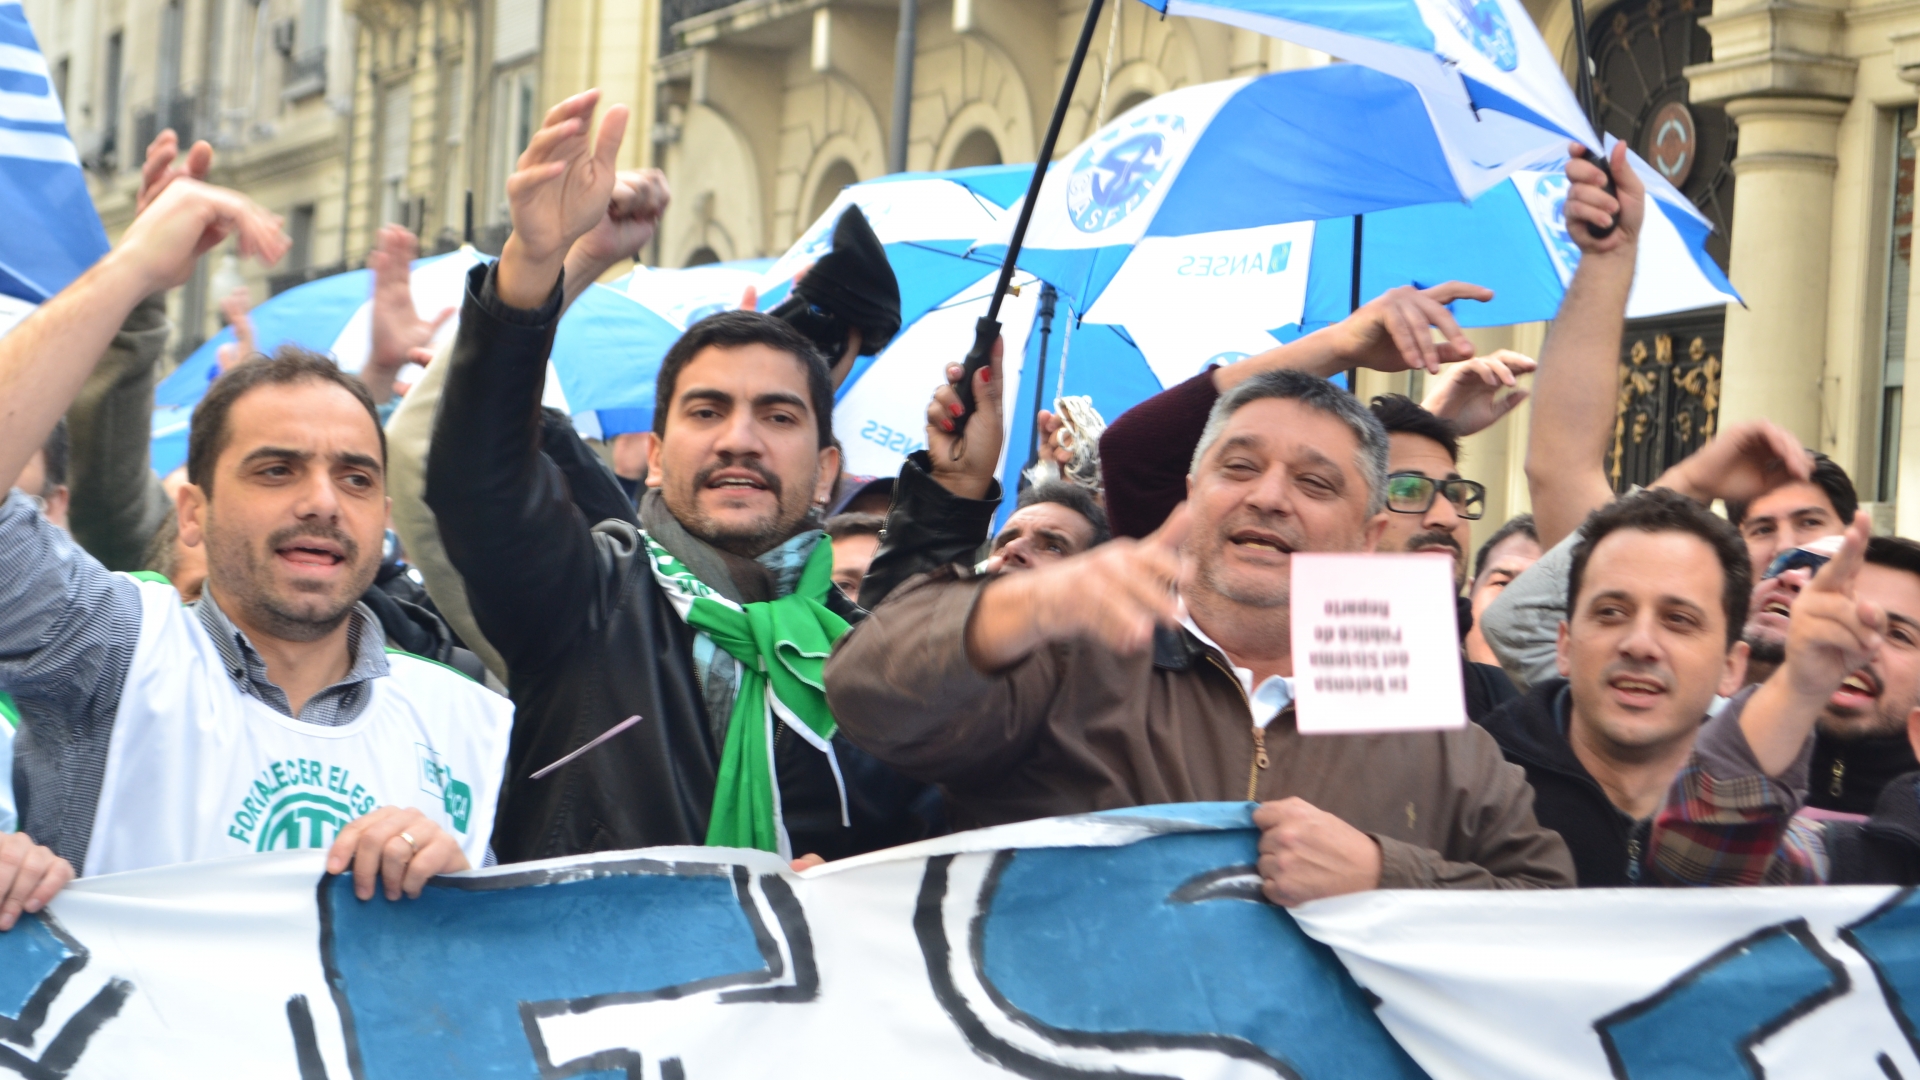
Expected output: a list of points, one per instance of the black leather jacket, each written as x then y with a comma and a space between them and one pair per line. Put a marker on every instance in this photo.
590, 639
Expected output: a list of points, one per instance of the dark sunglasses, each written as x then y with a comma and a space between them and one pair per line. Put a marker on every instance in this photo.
1795, 559
1412, 493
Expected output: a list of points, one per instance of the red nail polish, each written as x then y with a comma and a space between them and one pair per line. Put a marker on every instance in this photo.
986, 374
956, 408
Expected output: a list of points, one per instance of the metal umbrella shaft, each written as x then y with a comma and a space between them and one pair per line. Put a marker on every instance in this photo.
987, 330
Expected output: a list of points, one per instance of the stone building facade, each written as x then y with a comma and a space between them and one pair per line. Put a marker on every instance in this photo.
1788, 121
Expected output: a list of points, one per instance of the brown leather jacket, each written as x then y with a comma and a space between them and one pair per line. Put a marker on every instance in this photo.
1076, 728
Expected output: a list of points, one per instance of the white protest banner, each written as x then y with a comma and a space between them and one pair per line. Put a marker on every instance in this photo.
1376, 644
1130, 945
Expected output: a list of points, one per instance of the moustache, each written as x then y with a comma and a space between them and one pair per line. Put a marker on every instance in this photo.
1434, 539
727, 461
280, 538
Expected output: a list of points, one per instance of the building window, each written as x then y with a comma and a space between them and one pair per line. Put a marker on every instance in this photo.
396, 134
837, 177
110, 100
300, 231
978, 148
516, 111
60, 71
1893, 361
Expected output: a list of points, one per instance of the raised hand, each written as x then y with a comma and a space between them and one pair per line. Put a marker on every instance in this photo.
1115, 594
160, 168
236, 306
1476, 393
1740, 464
964, 457
400, 335
396, 846
1834, 633
184, 222
561, 188
1307, 853
1394, 331
633, 212
1050, 443
1589, 204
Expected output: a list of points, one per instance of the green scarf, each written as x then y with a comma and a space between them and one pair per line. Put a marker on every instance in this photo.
782, 646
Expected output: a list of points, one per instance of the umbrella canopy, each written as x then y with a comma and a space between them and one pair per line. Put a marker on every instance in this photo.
1297, 146
1201, 300
1484, 69
53, 232
928, 222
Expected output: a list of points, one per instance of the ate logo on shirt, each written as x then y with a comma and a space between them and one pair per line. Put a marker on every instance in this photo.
304, 803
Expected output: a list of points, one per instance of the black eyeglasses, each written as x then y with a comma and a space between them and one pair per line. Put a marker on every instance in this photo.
1412, 493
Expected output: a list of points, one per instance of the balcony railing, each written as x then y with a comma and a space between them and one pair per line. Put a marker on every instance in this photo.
673, 11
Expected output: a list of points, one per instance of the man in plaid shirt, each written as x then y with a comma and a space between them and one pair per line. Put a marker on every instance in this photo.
1734, 814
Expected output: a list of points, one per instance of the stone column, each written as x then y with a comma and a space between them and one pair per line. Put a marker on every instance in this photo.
1777, 71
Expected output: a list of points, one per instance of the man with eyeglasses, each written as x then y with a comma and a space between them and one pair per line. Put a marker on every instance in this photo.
1431, 510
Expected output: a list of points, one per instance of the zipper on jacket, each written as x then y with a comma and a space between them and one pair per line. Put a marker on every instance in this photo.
1260, 759
1838, 784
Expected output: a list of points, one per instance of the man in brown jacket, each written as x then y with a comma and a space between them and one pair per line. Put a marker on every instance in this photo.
1093, 683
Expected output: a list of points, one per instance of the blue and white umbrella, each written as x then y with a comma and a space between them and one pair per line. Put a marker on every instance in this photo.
927, 222
1488, 77
1216, 221
608, 347
53, 233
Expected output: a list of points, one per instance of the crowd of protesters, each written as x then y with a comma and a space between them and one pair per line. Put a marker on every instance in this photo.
430, 627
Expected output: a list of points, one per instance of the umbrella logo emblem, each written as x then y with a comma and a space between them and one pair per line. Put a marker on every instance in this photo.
1119, 171
1485, 27
1550, 192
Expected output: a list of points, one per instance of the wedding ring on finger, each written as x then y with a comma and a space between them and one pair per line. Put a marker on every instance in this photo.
412, 844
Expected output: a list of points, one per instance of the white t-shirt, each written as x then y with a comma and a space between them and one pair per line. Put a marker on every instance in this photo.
197, 769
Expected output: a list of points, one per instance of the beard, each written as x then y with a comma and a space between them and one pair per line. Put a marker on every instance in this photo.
751, 538
242, 574
1765, 649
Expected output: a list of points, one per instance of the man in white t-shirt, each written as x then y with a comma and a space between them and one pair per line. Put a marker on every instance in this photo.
271, 714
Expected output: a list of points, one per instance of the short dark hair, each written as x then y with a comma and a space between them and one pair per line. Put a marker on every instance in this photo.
1658, 510
1073, 497
1316, 393
731, 330
1895, 553
1400, 414
841, 526
1518, 525
56, 452
288, 365
1830, 478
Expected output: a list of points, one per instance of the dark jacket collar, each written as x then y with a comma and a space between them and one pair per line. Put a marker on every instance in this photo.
1896, 814
1860, 769
1175, 649
1532, 728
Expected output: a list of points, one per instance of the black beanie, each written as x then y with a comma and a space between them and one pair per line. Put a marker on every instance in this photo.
855, 283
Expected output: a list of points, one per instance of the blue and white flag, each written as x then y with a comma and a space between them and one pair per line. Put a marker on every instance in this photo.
53, 232
1491, 81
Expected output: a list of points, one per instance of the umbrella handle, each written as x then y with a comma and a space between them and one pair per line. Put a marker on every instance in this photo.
1607, 168
986, 331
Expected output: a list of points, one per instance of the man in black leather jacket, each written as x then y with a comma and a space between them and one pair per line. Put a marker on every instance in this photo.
583, 614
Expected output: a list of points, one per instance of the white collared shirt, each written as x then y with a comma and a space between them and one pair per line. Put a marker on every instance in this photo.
1264, 703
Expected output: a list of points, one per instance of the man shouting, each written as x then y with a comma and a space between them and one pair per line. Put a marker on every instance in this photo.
1092, 683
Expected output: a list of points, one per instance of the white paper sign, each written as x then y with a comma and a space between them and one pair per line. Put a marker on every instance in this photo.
1376, 644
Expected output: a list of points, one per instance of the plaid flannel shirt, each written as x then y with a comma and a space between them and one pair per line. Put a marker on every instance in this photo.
1726, 822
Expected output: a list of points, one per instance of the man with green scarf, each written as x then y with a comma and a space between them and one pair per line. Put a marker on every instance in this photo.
671, 672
